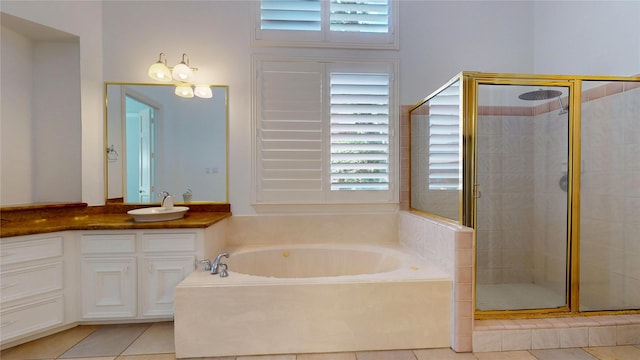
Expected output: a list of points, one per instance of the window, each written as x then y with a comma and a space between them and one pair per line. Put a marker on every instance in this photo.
359, 131
326, 23
324, 131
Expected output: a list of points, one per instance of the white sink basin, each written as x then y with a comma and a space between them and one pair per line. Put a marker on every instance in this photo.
158, 213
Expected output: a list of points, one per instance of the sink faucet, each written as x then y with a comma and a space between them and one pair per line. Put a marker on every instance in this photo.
167, 200
215, 265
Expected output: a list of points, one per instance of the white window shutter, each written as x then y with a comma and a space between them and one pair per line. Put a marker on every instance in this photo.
301, 15
359, 131
353, 24
363, 16
324, 132
289, 131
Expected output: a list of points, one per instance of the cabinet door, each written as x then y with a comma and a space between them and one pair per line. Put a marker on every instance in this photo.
160, 277
109, 287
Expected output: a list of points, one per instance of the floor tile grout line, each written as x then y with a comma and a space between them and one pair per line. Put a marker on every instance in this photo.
134, 340
59, 356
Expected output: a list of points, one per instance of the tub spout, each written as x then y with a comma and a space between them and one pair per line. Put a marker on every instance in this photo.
215, 265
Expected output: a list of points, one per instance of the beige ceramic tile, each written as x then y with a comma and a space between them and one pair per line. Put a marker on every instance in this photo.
628, 334
545, 339
157, 339
442, 354
516, 340
267, 357
487, 341
97, 358
562, 354
330, 356
506, 355
574, 337
386, 355
147, 357
602, 336
49, 347
615, 352
109, 340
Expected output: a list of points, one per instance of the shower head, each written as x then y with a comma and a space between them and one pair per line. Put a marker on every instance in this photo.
540, 95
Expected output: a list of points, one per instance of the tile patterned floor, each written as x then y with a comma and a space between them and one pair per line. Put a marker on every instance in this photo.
155, 342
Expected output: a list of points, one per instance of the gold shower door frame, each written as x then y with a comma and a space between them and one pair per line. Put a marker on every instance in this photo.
470, 114
467, 209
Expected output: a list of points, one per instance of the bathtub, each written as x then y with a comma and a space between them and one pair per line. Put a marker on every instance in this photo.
313, 298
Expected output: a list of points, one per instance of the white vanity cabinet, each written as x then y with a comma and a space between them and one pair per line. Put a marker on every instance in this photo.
132, 274
32, 284
108, 268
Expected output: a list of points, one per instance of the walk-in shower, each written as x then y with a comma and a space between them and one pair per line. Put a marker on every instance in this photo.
546, 170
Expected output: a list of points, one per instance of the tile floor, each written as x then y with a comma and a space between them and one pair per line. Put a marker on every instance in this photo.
154, 341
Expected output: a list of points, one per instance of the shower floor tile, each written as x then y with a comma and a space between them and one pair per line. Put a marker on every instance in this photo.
516, 296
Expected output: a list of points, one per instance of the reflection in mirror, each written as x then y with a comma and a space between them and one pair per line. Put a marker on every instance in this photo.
436, 154
157, 141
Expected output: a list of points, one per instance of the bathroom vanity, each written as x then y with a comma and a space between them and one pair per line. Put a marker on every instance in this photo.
68, 264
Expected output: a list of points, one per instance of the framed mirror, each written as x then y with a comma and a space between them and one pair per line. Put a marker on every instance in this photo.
157, 141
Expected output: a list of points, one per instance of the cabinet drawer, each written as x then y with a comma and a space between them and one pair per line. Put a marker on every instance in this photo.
28, 318
31, 250
169, 242
108, 243
34, 280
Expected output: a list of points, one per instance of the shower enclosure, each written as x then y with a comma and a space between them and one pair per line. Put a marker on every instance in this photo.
546, 170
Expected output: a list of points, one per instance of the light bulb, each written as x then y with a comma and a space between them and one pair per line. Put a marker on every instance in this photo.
160, 72
203, 91
184, 91
183, 73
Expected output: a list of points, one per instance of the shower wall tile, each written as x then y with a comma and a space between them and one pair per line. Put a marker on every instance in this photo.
545, 339
451, 247
574, 337
602, 336
516, 340
628, 334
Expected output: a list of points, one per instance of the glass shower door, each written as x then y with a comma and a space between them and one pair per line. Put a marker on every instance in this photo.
522, 139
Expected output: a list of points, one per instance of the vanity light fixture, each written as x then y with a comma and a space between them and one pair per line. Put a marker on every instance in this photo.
183, 73
184, 91
203, 91
160, 71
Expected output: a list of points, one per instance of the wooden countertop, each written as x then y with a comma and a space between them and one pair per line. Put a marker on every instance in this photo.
45, 218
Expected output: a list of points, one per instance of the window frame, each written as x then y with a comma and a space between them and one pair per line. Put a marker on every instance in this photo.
325, 38
371, 200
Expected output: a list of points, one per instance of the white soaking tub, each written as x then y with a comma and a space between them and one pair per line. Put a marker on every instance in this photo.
313, 298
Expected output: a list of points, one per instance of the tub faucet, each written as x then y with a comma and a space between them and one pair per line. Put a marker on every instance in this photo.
215, 265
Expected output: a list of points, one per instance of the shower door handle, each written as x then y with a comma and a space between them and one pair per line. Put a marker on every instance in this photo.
476, 193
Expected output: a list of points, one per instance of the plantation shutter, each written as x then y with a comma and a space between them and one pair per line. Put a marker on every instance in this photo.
444, 140
359, 131
289, 132
359, 16
324, 132
363, 24
302, 15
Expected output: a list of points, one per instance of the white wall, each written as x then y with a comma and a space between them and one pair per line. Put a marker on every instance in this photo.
16, 175
438, 39
83, 19
56, 137
587, 37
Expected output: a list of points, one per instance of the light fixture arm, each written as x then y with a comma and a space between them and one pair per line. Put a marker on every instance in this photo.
185, 60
